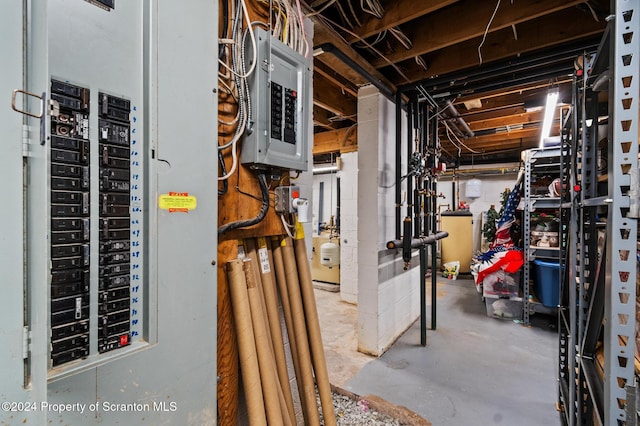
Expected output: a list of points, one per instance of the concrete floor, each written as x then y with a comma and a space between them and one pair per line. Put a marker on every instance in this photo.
475, 370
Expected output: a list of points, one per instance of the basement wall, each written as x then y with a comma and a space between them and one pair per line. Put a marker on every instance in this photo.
388, 296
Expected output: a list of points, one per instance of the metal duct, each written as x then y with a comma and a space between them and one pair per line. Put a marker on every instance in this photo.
453, 113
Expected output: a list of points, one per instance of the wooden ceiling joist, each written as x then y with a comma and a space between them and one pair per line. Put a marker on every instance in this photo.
329, 97
341, 140
533, 36
466, 20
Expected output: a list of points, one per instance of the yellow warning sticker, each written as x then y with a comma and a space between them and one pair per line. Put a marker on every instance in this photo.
177, 202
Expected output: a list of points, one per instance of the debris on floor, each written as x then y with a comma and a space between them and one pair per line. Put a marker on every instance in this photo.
370, 410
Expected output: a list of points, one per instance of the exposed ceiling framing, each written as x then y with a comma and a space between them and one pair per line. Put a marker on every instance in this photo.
497, 81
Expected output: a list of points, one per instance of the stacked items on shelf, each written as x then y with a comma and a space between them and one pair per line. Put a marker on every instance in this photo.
541, 226
497, 271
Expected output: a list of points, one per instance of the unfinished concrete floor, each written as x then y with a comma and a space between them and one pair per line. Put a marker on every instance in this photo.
475, 370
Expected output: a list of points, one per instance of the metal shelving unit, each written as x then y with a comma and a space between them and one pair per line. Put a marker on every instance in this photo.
597, 383
537, 162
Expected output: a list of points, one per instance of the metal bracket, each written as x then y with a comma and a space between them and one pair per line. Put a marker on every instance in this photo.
30, 114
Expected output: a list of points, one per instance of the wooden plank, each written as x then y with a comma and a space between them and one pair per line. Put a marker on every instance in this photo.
562, 28
507, 120
341, 140
329, 97
321, 117
324, 34
466, 20
396, 13
330, 74
227, 356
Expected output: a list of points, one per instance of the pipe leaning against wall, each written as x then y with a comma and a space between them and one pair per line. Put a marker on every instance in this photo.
313, 328
265, 272
271, 300
246, 343
275, 249
311, 415
270, 385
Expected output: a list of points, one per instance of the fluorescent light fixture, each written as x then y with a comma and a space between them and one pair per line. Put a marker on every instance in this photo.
325, 169
549, 113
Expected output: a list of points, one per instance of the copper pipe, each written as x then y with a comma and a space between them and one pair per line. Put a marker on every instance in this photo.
313, 327
246, 344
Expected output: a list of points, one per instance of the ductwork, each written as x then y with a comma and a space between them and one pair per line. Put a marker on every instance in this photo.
452, 113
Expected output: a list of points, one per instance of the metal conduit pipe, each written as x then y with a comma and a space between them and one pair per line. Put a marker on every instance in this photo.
384, 89
419, 241
453, 113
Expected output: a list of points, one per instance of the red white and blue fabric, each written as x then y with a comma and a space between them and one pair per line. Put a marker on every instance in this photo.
503, 232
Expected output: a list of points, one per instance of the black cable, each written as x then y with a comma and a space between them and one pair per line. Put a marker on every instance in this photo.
262, 179
223, 170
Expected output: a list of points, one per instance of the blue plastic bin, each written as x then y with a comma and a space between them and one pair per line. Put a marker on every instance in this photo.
547, 281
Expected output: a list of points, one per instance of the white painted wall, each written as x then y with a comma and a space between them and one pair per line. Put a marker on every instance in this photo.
388, 296
492, 187
330, 200
349, 228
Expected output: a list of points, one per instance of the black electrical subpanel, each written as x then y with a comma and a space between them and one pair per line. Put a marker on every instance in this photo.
290, 106
276, 111
70, 223
114, 313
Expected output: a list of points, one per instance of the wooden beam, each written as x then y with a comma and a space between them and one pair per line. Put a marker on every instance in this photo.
507, 121
330, 74
341, 140
323, 34
499, 140
331, 98
321, 117
396, 13
562, 28
466, 20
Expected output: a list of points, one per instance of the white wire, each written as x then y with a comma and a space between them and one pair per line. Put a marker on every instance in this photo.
253, 44
486, 31
287, 227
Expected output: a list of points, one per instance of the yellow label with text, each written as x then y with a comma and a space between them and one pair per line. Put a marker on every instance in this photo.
177, 202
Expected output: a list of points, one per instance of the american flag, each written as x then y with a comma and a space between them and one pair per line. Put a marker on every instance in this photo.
503, 232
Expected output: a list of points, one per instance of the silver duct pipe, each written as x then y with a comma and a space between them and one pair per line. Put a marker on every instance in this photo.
453, 113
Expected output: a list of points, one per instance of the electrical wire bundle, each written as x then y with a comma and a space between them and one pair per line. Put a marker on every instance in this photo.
288, 24
233, 80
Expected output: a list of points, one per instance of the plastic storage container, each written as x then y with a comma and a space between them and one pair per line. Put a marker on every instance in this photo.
503, 308
501, 283
547, 282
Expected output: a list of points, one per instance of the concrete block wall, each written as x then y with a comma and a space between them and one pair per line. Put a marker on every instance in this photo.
349, 228
388, 296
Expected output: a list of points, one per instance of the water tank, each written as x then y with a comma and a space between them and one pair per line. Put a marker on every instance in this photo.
330, 254
474, 188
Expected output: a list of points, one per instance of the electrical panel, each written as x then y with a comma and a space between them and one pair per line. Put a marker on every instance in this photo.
277, 133
74, 219
70, 223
